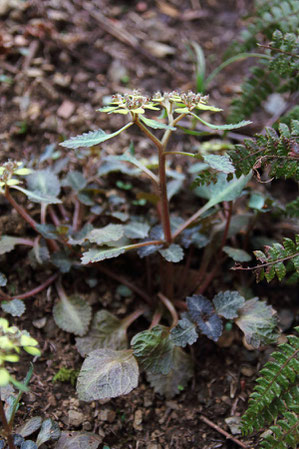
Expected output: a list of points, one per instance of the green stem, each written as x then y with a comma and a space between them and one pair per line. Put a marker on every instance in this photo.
183, 153
6, 427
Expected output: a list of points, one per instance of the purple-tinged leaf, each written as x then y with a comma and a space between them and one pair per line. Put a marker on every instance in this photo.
201, 311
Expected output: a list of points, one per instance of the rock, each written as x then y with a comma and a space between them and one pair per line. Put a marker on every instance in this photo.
153, 446
107, 415
75, 418
66, 109
248, 370
137, 420
233, 423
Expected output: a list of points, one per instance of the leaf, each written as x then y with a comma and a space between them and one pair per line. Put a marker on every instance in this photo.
61, 260
106, 331
223, 127
43, 187
174, 253
15, 307
78, 440
238, 255
107, 373
172, 383
7, 243
154, 349
76, 180
228, 303
72, 314
110, 233
50, 430
96, 255
219, 163
48, 231
30, 426
184, 333
154, 124
3, 280
201, 311
256, 320
29, 444
136, 230
91, 138
222, 190
37, 197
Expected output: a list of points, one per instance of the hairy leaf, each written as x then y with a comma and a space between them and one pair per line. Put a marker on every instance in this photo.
184, 333
154, 124
223, 127
219, 163
43, 187
110, 233
30, 426
91, 138
79, 440
174, 253
29, 444
238, 255
7, 243
228, 303
106, 331
72, 314
16, 307
136, 230
107, 373
201, 311
172, 383
96, 255
257, 322
50, 430
3, 279
76, 180
154, 349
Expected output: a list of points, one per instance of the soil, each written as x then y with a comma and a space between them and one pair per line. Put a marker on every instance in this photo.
60, 59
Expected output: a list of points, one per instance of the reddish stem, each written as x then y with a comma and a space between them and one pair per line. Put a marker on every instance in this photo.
38, 289
20, 209
6, 427
170, 307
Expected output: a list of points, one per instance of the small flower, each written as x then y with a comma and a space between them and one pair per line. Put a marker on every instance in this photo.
8, 170
134, 103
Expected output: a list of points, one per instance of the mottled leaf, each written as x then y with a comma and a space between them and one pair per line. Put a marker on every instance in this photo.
110, 233
107, 331
172, 383
107, 373
72, 314
30, 426
79, 440
184, 333
136, 230
201, 311
228, 303
50, 430
257, 322
154, 349
174, 253
15, 307
238, 255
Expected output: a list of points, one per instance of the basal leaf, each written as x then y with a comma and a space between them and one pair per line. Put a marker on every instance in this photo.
184, 333
110, 233
30, 426
154, 124
3, 279
257, 322
16, 307
50, 430
79, 440
28, 444
238, 255
154, 349
37, 197
62, 261
136, 230
107, 331
96, 255
91, 138
107, 373
76, 180
201, 311
219, 163
72, 314
228, 303
172, 383
7, 243
43, 187
174, 253
48, 231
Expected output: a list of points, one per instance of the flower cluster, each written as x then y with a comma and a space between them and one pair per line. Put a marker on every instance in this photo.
12, 340
134, 103
8, 170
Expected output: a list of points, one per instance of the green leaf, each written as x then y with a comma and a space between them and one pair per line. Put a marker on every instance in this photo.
174, 253
37, 197
72, 314
48, 231
79, 440
4, 377
50, 430
201, 311
136, 230
29, 444
223, 127
76, 180
154, 349
62, 261
238, 255
110, 233
184, 333
220, 163
7, 243
43, 187
30, 426
154, 124
257, 322
16, 307
177, 378
107, 373
3, 279
106, 331
96, 255
223, 190
228, 303
91, 138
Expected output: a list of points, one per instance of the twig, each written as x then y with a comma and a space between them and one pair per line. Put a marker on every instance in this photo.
279, 50
223, 432
262, 265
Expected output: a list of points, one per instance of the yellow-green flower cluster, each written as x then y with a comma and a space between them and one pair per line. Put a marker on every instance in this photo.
185, 102
12, 340
134, 103
8, 170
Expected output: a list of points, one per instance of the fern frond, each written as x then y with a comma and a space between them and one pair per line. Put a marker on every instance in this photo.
275, 398
279, 151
